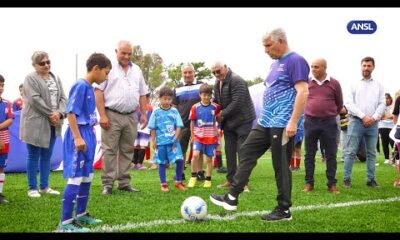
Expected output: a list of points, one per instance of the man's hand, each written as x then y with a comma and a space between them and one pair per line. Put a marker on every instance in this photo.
104, 122
291, 129
368, 121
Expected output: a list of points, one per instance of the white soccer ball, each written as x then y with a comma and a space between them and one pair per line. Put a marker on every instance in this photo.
194, 209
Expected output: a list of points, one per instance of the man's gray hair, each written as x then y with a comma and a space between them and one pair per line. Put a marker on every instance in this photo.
188, 64
123, 43
218, 63
276, 34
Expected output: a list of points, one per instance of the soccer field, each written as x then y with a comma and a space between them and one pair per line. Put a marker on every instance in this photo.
358, 209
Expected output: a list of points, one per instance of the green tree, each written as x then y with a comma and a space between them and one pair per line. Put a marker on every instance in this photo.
254, 81
151, 65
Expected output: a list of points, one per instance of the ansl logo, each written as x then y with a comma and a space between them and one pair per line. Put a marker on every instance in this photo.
361, 27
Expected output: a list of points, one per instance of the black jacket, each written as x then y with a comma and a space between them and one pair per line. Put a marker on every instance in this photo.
236, 104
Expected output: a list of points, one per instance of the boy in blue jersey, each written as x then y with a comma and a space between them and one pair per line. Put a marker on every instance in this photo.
6, 119
166, 124
80, 144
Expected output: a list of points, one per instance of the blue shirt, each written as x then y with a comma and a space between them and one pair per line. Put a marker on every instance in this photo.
165, 123
279, 94
81, 102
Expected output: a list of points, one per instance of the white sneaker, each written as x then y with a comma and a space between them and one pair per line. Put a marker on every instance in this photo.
50, 191
33, 193
387, 161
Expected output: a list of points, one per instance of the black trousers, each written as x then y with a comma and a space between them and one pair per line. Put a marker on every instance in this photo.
257, 143
234, 138
324, 130
386, 140
184, 140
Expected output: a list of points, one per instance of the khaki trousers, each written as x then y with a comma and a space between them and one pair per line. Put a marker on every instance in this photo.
117, 143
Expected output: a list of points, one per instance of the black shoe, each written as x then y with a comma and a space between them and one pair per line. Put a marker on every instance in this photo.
3, 199
129, 189
224, 201
106, 191
201, 177
278, 214
347, 183
222, 170
372, 183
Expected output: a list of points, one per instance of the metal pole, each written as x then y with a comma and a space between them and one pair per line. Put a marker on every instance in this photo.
76, 66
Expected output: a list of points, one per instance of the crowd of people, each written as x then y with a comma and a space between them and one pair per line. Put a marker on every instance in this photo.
298, 105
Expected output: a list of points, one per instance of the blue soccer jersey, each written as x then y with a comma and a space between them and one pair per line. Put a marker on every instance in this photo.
165, 122
81, 102
279, 94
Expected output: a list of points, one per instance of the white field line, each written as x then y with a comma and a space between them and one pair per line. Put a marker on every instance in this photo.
228, 217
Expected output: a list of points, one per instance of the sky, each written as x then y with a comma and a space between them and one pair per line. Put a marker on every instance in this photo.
232, 35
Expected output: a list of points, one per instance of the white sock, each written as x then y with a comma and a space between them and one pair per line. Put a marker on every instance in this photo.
231, 197
2, 177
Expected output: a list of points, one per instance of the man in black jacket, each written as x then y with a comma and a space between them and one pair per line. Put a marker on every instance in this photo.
237, 114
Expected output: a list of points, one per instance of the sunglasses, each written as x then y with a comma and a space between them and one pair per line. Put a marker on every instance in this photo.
217, 72
44, 63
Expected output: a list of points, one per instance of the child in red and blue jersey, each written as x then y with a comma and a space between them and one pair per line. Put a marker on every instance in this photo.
6, 119
204, 133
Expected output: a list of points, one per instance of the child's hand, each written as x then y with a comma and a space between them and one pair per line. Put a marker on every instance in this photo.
175, 142
80, 144
2, 145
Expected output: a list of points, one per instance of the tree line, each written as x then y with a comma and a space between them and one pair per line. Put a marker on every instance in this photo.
155, 73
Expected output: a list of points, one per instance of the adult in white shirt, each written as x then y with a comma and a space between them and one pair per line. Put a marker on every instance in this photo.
366, 104
117, 99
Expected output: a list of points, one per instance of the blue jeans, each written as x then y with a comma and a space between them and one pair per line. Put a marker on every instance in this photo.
40, 155
355, 132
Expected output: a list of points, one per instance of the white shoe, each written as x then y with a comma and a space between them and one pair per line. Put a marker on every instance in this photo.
50, 191
33, 193
387, 161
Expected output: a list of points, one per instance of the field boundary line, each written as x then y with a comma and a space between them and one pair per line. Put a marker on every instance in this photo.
229, 217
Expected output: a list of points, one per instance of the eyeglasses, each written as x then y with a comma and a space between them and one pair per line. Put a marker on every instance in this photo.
44, 63
217, 71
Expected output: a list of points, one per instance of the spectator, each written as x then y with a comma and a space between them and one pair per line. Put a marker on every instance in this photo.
384, 127
116, 101
236, 116
41, 120
186, 95
365, 110
324, 102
